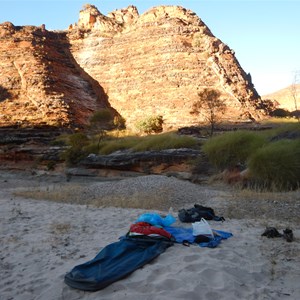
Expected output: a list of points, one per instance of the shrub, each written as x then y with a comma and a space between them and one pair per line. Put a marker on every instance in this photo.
196, 42
109, 146
295, 114
61, 140
280, 113
153, 124
232, 148
152, 142
75, 152
102, 116
277, 165
77, 140
281, 130
119, 122
58, 142
165, 141
91, 148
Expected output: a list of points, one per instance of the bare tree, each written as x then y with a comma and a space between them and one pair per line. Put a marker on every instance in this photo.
210, 105
294, 91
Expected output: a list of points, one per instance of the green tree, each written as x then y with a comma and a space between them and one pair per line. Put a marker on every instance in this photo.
101, 121
75, 151
153, 124
210, 105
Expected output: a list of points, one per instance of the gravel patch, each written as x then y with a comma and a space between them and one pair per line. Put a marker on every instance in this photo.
156, 192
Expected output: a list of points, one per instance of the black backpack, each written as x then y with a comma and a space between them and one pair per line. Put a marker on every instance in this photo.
196, 213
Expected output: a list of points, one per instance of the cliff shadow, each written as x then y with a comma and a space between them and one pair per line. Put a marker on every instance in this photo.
64, 56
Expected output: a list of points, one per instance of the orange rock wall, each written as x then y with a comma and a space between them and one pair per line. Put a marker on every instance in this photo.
141, 65
40, 82
157, 64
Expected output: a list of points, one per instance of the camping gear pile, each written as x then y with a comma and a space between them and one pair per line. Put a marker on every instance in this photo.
146, 239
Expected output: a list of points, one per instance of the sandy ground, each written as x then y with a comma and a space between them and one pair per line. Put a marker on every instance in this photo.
40, 241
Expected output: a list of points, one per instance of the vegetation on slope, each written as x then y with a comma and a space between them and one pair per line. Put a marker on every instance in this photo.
272, 157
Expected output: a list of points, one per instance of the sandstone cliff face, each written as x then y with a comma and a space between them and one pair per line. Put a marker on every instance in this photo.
156, 63
141, 65
40, 82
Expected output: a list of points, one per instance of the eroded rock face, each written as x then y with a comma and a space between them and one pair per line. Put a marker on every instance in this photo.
156, 63
41, 83
141, 65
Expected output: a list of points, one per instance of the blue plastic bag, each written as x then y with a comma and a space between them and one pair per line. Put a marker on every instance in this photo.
156, 220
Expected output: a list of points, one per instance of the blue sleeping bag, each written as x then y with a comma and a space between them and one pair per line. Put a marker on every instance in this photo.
114, 262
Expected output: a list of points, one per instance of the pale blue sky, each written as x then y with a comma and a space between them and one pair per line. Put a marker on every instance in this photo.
265, 34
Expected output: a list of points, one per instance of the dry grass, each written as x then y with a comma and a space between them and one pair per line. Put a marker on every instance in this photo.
60, 228
76, 194
278, 121
56, 193
231, 202
278, 206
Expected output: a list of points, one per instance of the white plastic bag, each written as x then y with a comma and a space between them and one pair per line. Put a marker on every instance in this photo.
202, 228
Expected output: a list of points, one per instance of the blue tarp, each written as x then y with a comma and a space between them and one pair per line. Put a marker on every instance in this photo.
156, 220
114, 262
186, 234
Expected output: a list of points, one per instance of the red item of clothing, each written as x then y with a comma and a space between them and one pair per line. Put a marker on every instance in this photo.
147, 229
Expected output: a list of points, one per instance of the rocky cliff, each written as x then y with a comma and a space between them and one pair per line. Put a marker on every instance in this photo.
140, 65
41, 82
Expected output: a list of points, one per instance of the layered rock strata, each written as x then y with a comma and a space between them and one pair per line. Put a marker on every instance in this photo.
141, 65
156, 63
40, 82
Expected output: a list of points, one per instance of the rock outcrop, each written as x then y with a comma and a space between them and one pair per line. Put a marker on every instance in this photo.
126, 159
41, 83
139, 65
171, 162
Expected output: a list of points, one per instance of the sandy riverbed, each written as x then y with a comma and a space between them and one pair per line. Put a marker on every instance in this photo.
42, 240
